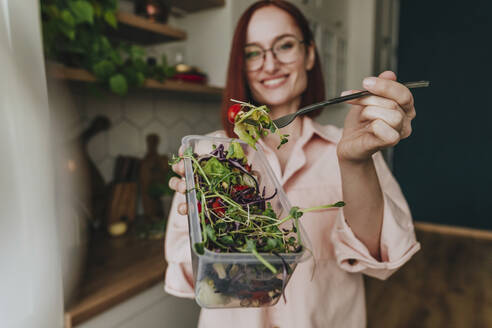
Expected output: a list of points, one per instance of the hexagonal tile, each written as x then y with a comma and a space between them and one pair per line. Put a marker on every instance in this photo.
169, 110
123, 140
138, 108
213, 122
108, 105
174, 135
157, 128
106, 168
98, 147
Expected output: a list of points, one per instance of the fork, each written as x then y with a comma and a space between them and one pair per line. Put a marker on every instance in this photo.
287, 119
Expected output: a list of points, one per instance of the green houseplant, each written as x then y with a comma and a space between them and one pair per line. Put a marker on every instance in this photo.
75, 34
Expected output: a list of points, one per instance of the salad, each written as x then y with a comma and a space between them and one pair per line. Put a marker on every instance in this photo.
236, 216
252, 122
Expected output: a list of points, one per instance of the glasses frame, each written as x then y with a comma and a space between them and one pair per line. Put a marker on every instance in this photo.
264, 51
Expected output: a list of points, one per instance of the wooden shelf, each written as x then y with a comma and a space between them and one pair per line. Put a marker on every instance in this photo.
117, 269
76, 74
143, 31
194, 5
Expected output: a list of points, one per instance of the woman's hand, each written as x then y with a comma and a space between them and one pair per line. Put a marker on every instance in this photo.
378, 121
178, 184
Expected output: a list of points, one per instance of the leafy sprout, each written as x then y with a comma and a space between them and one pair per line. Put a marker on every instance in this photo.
235, 215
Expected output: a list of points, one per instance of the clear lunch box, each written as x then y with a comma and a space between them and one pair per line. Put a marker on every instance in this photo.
229, 280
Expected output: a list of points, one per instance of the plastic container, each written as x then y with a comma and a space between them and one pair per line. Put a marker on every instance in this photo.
228, 280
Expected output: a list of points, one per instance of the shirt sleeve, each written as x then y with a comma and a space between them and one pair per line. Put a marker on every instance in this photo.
179, 272
398, 242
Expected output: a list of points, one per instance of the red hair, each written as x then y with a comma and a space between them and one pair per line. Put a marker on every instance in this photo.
237, 85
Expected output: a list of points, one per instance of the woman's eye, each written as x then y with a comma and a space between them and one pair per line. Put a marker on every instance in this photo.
253, 54
286, 46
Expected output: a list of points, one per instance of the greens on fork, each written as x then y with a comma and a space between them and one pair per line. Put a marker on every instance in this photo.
252, 122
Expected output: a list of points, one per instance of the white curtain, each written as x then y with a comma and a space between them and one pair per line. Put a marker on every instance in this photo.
30, 274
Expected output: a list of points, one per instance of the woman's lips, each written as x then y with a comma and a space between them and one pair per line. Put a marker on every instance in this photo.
274, 82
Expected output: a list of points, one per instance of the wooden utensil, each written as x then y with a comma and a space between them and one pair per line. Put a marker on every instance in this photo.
153, 172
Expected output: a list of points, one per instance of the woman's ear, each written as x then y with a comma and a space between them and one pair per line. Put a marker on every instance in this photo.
311, 53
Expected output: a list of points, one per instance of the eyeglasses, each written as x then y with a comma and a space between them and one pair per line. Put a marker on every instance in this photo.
287, 49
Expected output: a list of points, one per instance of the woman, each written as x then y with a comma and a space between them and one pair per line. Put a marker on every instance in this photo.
274, 53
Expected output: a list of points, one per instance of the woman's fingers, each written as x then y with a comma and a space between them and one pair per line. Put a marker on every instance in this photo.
179, 168
388, 75
177, 184
385, 135
182, 209
392, 117
391, 90
374, 101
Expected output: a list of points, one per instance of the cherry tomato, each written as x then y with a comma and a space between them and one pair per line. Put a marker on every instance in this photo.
217, 207
237, 188
232, 112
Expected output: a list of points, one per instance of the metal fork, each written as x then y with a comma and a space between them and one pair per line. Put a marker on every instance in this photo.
287, 119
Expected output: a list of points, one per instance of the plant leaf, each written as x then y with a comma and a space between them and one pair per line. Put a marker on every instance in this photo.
188, 152
227, 240
295, 212
82, 11
118, 84
103, 69
67, 18
70, 33
110, 18
199, 248
210, 232
136, 52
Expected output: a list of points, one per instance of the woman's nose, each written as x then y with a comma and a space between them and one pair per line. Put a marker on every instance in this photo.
271, 63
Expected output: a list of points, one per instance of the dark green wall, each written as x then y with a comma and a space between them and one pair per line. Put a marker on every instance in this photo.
445, 168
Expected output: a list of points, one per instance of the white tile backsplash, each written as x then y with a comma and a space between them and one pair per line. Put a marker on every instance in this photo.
124, 140
158, 128
133, 117
139, 108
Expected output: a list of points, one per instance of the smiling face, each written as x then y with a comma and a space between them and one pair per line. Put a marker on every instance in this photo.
275, 83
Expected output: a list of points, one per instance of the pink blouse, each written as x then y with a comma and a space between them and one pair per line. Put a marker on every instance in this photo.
334, 296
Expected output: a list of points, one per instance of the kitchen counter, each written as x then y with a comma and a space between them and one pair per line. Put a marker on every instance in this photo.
117, 269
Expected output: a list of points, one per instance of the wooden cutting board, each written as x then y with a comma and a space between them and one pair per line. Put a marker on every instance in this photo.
153, 172
123, 200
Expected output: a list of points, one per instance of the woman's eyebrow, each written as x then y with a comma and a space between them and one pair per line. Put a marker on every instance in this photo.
274, 40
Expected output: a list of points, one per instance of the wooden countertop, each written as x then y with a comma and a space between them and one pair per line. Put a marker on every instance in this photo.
472, 233
117, 269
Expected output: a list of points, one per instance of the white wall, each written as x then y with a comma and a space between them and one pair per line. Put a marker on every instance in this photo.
361, 38
149, 309
208, 41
